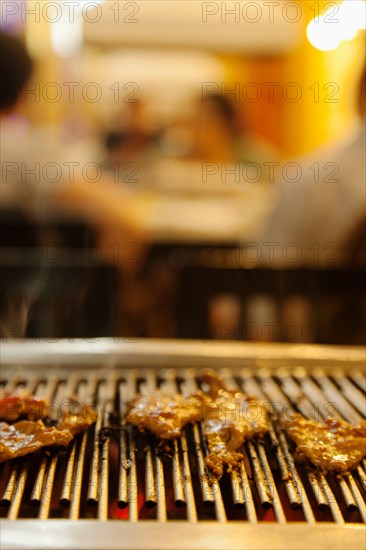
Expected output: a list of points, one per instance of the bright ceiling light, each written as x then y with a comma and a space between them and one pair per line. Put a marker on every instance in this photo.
67, 32
353, 14
322, 36
326, 32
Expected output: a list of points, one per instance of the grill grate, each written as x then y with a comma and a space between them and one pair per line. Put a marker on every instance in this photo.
121, 476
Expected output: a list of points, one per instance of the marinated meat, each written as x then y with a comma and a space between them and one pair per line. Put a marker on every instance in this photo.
21, 404
229, 419
164, 415
27, 436
77, 421
334, 445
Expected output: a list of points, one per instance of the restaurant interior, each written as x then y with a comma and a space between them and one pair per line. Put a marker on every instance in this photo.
185, 169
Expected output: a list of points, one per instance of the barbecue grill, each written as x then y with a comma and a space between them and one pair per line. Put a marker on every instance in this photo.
115, 488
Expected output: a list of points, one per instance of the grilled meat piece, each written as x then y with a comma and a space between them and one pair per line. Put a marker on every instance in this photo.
21, 404
230, 418
27, 436
77, 421
164, 415
334, 445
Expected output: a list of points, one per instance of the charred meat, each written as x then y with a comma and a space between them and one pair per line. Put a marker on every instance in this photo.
164, 415
77, 421
27, 436
333, 445
229, 419
21, 404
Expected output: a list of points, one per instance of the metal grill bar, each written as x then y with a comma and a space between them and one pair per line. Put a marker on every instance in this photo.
319, 484
127, 493
313, 402
293, 484
50, 481
348, 488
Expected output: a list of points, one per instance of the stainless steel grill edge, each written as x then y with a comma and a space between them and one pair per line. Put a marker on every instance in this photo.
119, 493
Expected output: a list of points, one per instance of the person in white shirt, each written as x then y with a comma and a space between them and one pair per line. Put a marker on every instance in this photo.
315, 216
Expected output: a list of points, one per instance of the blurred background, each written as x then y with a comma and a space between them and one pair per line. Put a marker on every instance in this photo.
184, 169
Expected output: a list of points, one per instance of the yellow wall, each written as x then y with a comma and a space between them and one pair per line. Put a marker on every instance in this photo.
313, 121
297, 128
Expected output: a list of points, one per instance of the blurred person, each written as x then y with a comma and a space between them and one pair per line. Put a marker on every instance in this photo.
220, 135
34, 159
37, 168
15, 70
132, 144
314, 218
27, 197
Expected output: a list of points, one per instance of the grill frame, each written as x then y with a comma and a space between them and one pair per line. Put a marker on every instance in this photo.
83, 535
18, 357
